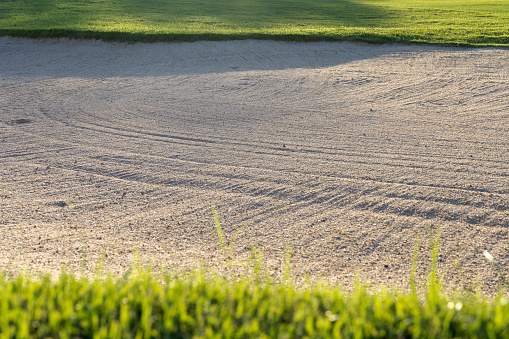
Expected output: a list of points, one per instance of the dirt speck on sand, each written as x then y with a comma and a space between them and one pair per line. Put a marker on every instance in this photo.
344, 151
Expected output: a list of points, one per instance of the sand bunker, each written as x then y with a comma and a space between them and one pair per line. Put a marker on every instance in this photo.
344, 151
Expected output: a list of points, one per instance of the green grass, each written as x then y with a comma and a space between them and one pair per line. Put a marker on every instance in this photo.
203, 304
152, 306
453, 22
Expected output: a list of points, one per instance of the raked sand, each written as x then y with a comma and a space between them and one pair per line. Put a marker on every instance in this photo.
344, 151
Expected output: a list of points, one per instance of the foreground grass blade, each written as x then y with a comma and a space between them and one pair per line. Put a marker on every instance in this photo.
143, 306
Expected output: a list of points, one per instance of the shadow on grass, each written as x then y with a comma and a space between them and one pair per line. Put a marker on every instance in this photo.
184, 37
265, 13
209, 16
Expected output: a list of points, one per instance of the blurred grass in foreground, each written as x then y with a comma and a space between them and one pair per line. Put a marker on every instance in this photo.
203, 305
150, 306
468, 23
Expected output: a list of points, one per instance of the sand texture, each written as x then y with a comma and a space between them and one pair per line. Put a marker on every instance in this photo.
344, 151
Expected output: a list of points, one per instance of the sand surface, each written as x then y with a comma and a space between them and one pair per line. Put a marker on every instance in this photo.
344, 151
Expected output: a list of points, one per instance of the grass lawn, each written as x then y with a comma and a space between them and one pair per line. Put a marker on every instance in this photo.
454, 22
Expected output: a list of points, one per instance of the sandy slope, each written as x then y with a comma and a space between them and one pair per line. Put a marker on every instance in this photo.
345, 151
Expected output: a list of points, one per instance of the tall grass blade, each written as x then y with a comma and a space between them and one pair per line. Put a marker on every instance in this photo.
433, 283
414, 264
219, 231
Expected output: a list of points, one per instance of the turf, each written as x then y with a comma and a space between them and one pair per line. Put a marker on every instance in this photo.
468, 23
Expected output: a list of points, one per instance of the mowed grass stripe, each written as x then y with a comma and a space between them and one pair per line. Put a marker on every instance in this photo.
468, 23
